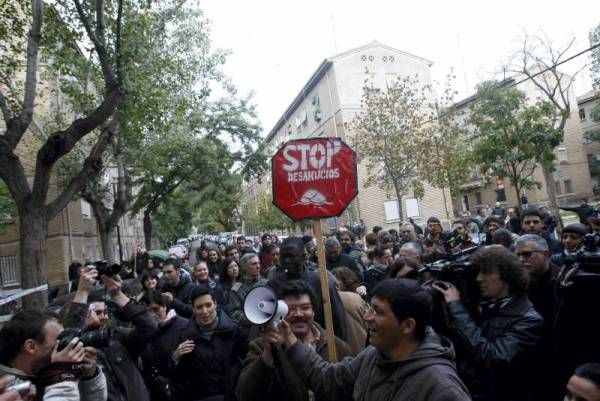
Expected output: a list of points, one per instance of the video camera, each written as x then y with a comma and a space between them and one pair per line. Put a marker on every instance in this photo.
105, 269
455, 268
451, 266
587, 259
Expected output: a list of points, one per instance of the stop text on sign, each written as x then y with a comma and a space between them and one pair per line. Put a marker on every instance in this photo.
311, 162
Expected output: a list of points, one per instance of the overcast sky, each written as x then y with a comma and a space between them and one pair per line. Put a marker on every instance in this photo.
277, 44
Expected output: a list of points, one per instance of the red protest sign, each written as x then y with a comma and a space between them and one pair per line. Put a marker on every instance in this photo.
314, 178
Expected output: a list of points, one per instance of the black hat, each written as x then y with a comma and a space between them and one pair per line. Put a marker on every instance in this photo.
576, 228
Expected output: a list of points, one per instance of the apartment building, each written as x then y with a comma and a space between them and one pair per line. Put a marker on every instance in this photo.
329, 100
572, 178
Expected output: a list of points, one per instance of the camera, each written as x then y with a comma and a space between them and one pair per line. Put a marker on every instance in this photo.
104, 269
455, 268
22, 388
586, 259
451, 266
98, 338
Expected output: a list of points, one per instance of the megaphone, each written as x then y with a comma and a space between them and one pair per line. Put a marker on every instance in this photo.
262, 306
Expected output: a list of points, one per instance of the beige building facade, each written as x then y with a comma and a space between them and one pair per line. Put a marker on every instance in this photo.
328, 102
585, 104
572, 177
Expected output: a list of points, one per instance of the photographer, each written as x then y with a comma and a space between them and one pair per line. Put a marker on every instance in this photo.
155, 357
577, 328
494, 353
29, 351
118, 348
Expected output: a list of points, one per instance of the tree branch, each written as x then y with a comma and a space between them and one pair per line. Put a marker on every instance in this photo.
19, 125
6, 114
109, 77
62, 142
91, 167
118, 55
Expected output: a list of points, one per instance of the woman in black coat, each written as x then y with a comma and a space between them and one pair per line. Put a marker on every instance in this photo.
207, 361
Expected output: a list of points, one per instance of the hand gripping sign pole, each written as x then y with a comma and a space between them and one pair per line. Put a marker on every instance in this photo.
314, 179
331, 351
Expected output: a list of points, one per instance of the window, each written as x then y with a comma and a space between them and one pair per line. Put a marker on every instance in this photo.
500, 195
582, 114
412, 207
557, 187
568, 187
8, 270
316, 103
85, 210
391, 210
332, 223
561, 155
478, 198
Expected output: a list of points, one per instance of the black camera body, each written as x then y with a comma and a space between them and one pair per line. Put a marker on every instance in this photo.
586, 260
98, 338
105, 269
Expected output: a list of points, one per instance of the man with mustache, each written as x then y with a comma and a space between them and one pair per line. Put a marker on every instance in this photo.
267, 373
406, 361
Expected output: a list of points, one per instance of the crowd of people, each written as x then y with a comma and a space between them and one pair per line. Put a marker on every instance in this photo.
499, 307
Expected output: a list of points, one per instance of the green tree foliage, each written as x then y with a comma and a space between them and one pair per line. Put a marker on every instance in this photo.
8, 209
595, 56
513, 136
26, 28
262, 215
392, 134
218, 205
447, 164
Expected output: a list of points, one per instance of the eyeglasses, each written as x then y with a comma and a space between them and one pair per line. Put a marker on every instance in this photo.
527, 254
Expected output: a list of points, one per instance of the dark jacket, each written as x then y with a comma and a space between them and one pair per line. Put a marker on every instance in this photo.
259, 382
347, 261
118, 360
156, 355
427, 374
577, 328
313, 278
181, 296
374, 275
496, 356
543, 295
212, 367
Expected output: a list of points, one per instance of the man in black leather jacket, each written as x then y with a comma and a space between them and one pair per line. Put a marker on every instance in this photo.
496, 352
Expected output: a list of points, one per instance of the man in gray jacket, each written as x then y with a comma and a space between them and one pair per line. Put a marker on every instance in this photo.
406, 359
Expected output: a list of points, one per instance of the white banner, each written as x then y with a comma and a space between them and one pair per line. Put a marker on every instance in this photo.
22, 294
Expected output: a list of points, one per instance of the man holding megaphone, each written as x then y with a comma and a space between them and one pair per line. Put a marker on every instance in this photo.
267, 373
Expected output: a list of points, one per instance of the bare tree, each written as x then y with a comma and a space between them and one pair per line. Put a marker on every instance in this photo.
539, 60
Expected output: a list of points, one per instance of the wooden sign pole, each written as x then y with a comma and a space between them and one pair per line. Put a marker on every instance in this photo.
325, 292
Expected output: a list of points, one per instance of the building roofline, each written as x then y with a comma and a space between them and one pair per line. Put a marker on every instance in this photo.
312, 82
379, 44
472, 98
588, 96
321, 71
